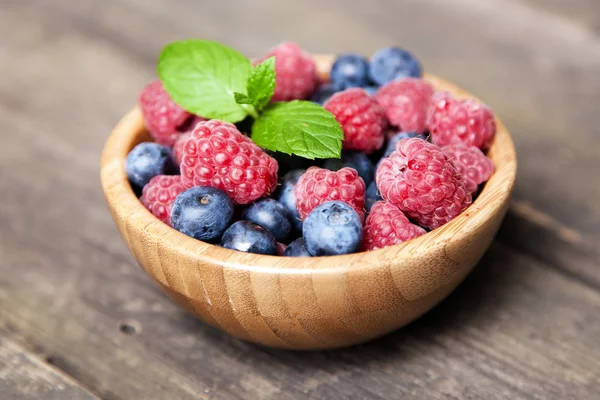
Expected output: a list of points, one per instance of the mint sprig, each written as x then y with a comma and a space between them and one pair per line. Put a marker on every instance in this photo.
214, 81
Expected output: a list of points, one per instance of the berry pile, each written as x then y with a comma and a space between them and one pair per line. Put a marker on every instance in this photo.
412, 160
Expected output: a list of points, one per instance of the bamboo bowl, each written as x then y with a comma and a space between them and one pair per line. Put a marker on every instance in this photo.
307, 303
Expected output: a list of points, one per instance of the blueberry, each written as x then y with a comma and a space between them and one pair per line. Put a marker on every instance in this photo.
332, 228
371, 89
297, 249
323, 93
287, 197
371, 196
271, 215
147, 160
202, 212
349, 70
353, 159
249, 237
392, 63
288, 162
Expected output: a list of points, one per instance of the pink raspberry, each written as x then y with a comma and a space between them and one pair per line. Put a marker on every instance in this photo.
318, 185
453, 121
406, 103
180, 141
295, 72
386, 226
159, 194
217, 154
164, 119
361, 117
423, 183
472, 164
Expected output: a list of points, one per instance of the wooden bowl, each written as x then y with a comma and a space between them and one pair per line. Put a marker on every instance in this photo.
307, 303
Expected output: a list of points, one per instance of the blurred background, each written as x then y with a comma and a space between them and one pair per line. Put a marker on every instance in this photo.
71, 296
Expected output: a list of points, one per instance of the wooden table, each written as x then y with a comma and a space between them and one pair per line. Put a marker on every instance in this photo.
79, 320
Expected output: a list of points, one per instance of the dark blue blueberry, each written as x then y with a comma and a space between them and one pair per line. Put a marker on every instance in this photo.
147, 160
249, 237
323, 93
286, 196
202, 212
353, 159
297, 249
392, 63
391, 146
272, 215
349, 70
332, 228
371, 89
372, 196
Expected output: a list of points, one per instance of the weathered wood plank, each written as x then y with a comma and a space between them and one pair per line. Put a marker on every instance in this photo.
23, 376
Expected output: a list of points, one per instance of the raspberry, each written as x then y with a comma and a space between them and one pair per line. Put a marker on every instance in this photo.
422, 182
160, 193
406, 103
362, 119
453, 121
472, 164
295, 72
217, 154
386, 226
178, 146
318, 185
164, 119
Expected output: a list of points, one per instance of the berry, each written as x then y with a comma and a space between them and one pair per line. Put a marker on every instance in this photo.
353, 159
386, 226
147, 160
202, 212
422, 182
349, 70
249, 237
281, 248
218, 155
297, 249
332, 228
472, 164
178, 146
160, 193
361, 117
371, 196
162, 116
323, 93
392, 63
406, 103
295, 72
453, 121
318, 185
393, 141
271, 215
287, 197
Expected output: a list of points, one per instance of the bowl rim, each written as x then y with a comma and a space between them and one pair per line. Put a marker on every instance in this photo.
125, 204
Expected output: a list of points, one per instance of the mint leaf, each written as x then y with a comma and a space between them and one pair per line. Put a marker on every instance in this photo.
242, 98
261, 83
299, 127
202, 76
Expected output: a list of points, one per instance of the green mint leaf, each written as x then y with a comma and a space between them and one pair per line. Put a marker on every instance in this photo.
299, 127
242, 98
202, 76
261, 83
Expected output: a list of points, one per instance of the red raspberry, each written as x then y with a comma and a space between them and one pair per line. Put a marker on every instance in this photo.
422, 182
159, 194
386, 226
406, 102
453, 121
295, 72
472, 164
362, 119
318, 185
178, 146
219, 155
164, 119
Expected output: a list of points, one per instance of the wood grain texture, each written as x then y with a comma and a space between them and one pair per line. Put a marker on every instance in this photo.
524, 325
26, 377
307, 303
